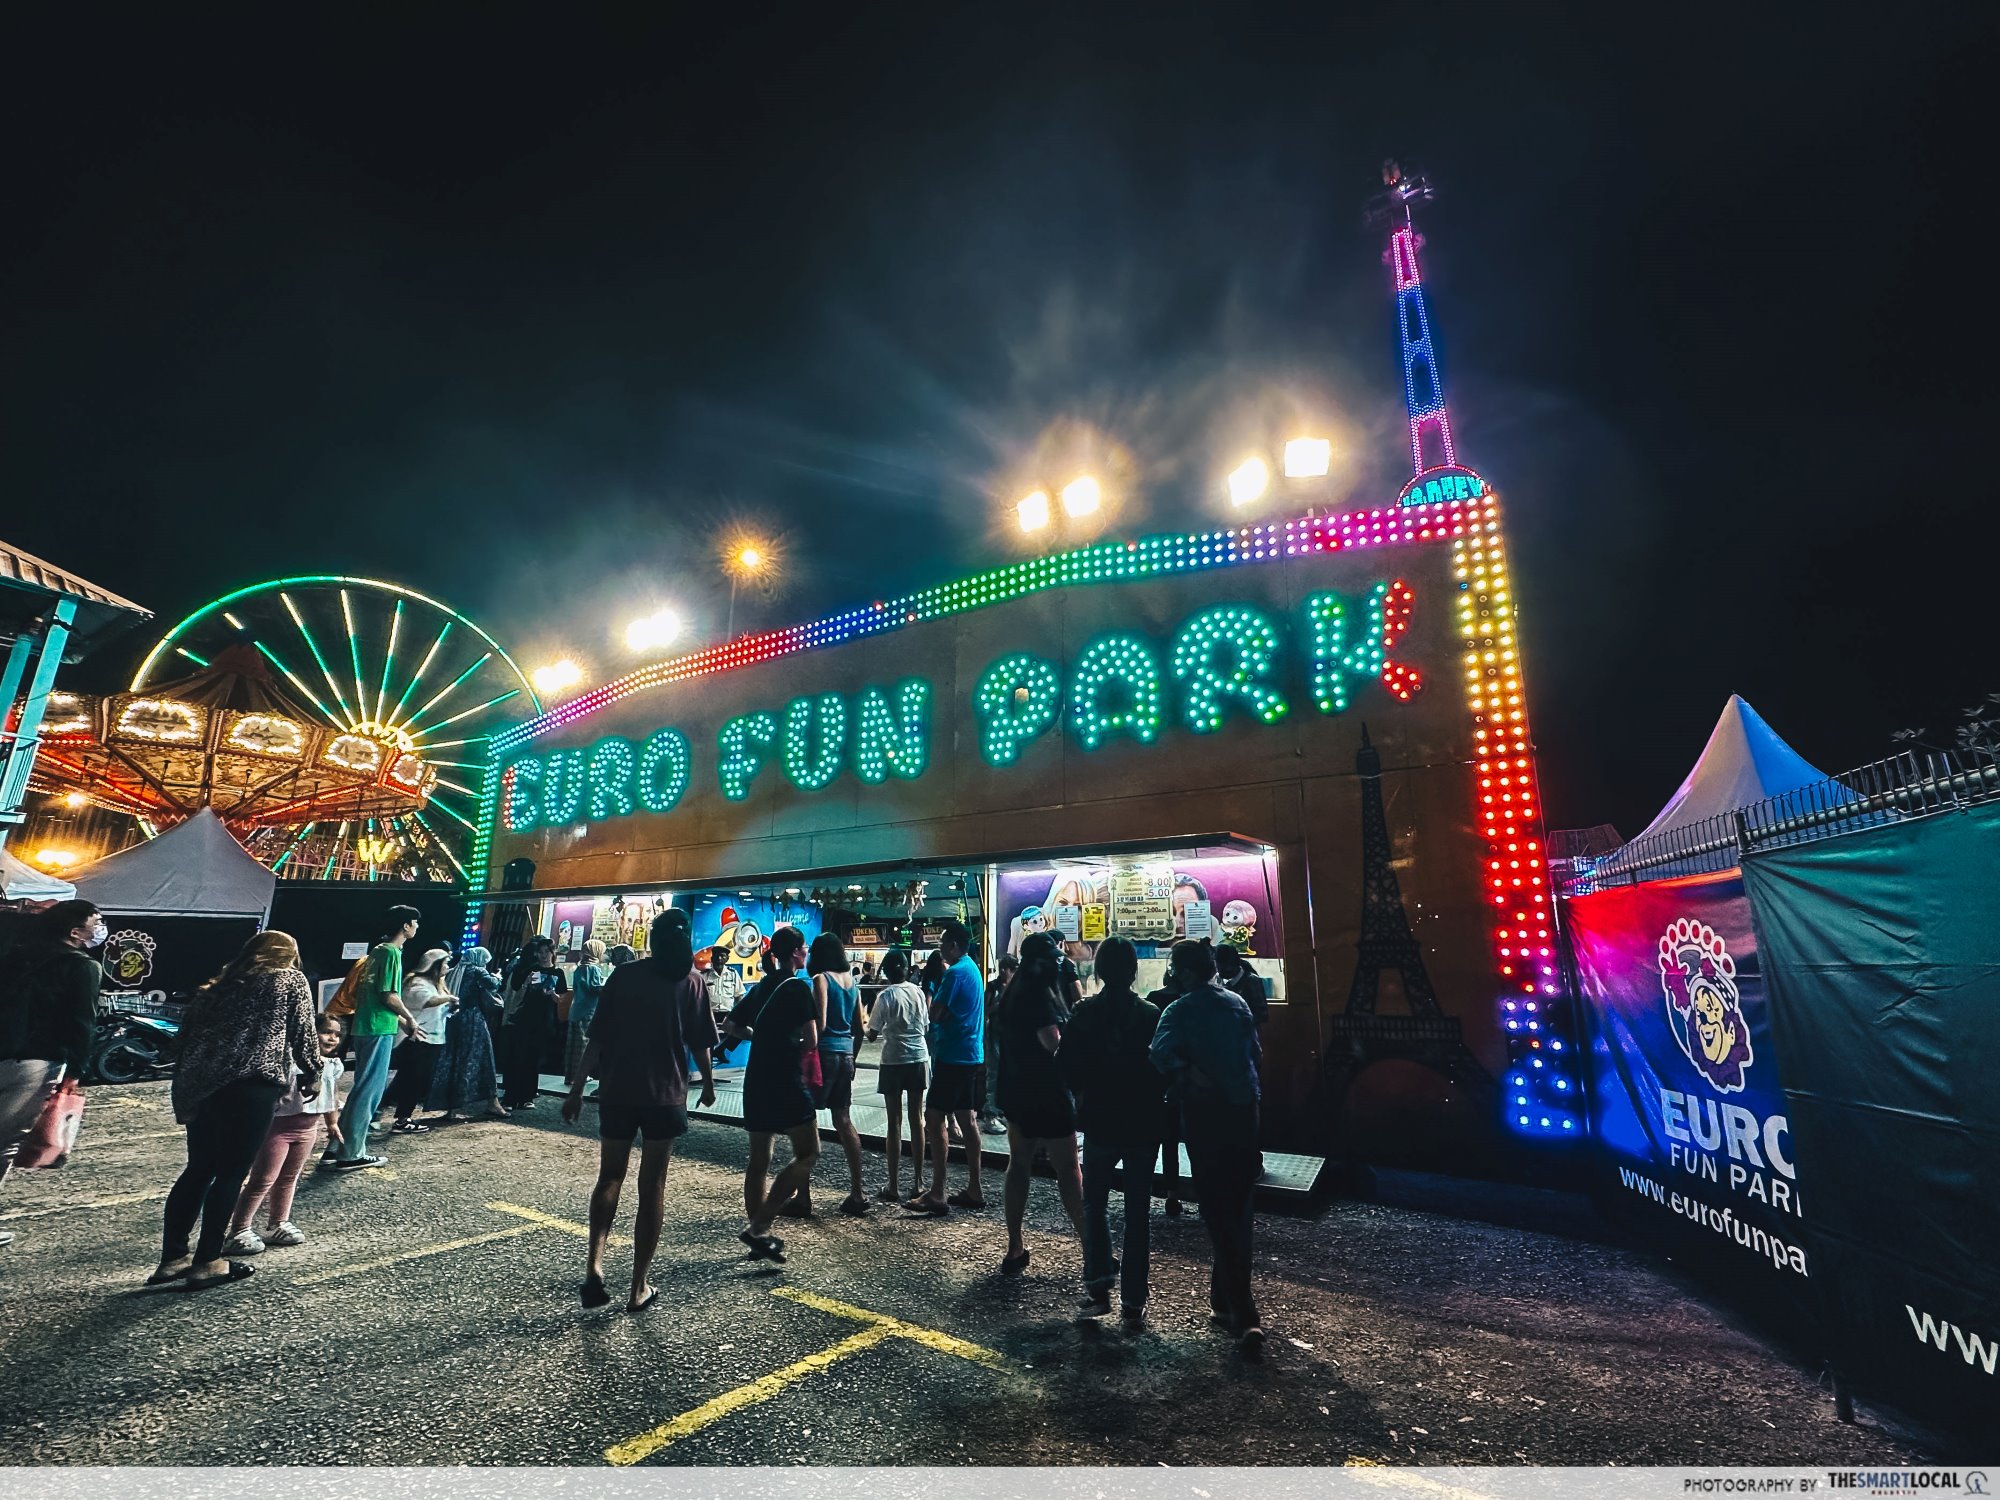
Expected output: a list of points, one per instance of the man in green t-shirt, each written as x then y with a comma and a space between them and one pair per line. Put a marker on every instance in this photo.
379, 1014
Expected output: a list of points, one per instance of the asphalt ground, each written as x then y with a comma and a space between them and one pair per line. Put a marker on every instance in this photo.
432, 1318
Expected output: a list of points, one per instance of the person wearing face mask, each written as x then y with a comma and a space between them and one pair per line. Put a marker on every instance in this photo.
48, 1015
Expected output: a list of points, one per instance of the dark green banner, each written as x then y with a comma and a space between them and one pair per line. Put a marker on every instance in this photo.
1882, 971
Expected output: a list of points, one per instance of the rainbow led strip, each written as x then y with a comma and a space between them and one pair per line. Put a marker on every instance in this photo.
1539, 1088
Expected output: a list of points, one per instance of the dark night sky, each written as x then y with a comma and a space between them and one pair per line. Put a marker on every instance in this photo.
515, 311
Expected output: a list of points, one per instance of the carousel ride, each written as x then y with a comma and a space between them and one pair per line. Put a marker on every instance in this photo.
336, 725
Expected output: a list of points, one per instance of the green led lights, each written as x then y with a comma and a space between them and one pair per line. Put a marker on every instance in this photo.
1228, 652
894, 742
521, 804
744, 744
664, 765
563, 777
610, 778
1017, 698
815, 741
1115, 689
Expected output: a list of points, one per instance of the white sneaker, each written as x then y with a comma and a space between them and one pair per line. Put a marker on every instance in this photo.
245, 1243
287, 1233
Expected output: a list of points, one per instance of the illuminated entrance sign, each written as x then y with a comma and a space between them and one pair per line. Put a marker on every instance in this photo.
1437, 486
1226, 661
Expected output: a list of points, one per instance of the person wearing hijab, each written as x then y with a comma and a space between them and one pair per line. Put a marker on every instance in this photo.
587, 987
533, 985
465, 1080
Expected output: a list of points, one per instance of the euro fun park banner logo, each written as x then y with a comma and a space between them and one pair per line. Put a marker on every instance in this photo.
1698, 978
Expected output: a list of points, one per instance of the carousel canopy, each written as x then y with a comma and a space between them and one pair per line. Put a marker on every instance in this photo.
195, 869
1743, 762
23, 882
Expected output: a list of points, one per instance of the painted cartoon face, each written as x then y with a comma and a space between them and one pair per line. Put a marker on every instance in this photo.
1712, 1021
749, 941
1034, 919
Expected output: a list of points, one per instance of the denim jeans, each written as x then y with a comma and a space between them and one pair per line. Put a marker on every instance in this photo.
1101, 1170
371, 1078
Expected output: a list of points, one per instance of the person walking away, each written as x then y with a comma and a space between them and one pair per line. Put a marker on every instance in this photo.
651, 1015
1207, 1047
465, 1079
957, 1043
781, 958
242, 1035
839, 1012
783, 1025
1170, 1128
416, 1059
48, 1017
288, 1146
530, 1005
725, 989
1041, 1116
1121, 1105
587, 987
379, 1013
902, 1072
990, 1120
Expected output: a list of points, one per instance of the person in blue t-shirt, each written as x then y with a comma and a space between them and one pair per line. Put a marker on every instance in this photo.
958, 1057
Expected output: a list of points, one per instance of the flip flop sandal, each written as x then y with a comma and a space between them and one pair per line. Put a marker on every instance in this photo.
162, 1278
920, 1209
651, 1297
1014, 1265
238, 1271
854, 1208
592, 1292
764, 1246
965, 1200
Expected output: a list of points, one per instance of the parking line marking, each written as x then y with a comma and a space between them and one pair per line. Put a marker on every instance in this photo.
648, 1443
418, 1254
63, 1208
550, 1221
930, 1338
881, 1327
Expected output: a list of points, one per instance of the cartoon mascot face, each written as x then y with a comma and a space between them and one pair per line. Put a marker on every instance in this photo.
1698, 978
128, 958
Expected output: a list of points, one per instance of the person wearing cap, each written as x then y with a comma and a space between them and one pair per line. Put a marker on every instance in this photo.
429, 1004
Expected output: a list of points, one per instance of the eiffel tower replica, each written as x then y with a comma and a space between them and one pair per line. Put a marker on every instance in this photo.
1361, 1035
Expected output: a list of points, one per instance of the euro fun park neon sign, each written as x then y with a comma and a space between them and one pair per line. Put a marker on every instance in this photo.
1226, 660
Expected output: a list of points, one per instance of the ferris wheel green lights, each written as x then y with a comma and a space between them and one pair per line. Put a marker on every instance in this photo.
401, 677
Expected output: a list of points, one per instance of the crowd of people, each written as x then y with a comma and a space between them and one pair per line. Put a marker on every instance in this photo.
256, 1083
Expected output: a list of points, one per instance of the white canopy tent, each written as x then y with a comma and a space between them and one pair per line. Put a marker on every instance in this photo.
1743, 762
20, 881
196, 869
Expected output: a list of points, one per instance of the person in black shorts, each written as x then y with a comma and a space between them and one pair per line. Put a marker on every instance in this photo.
957, 1044
781, 1017
652, 1013
1040, 1113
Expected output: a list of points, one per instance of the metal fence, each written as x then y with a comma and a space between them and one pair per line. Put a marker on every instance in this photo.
1911, 785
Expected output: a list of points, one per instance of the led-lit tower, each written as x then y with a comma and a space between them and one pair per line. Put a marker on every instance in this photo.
1423, 387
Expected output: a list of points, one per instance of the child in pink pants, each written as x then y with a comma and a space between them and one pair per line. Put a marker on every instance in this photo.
288, 1146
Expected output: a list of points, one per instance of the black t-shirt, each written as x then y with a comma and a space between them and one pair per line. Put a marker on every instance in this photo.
643, 1028
1028, 1070
776, 1053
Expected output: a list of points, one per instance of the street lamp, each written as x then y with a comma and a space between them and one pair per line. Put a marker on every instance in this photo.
652, 632
557, 677
1308, 458
1081, 496
1248, 481
1033, 511
746, 558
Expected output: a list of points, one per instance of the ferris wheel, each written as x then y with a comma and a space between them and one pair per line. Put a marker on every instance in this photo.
342, 731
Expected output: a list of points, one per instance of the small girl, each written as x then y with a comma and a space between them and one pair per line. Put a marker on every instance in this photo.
288, 1146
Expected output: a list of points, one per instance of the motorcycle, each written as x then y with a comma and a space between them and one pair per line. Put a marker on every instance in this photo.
130, 1048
